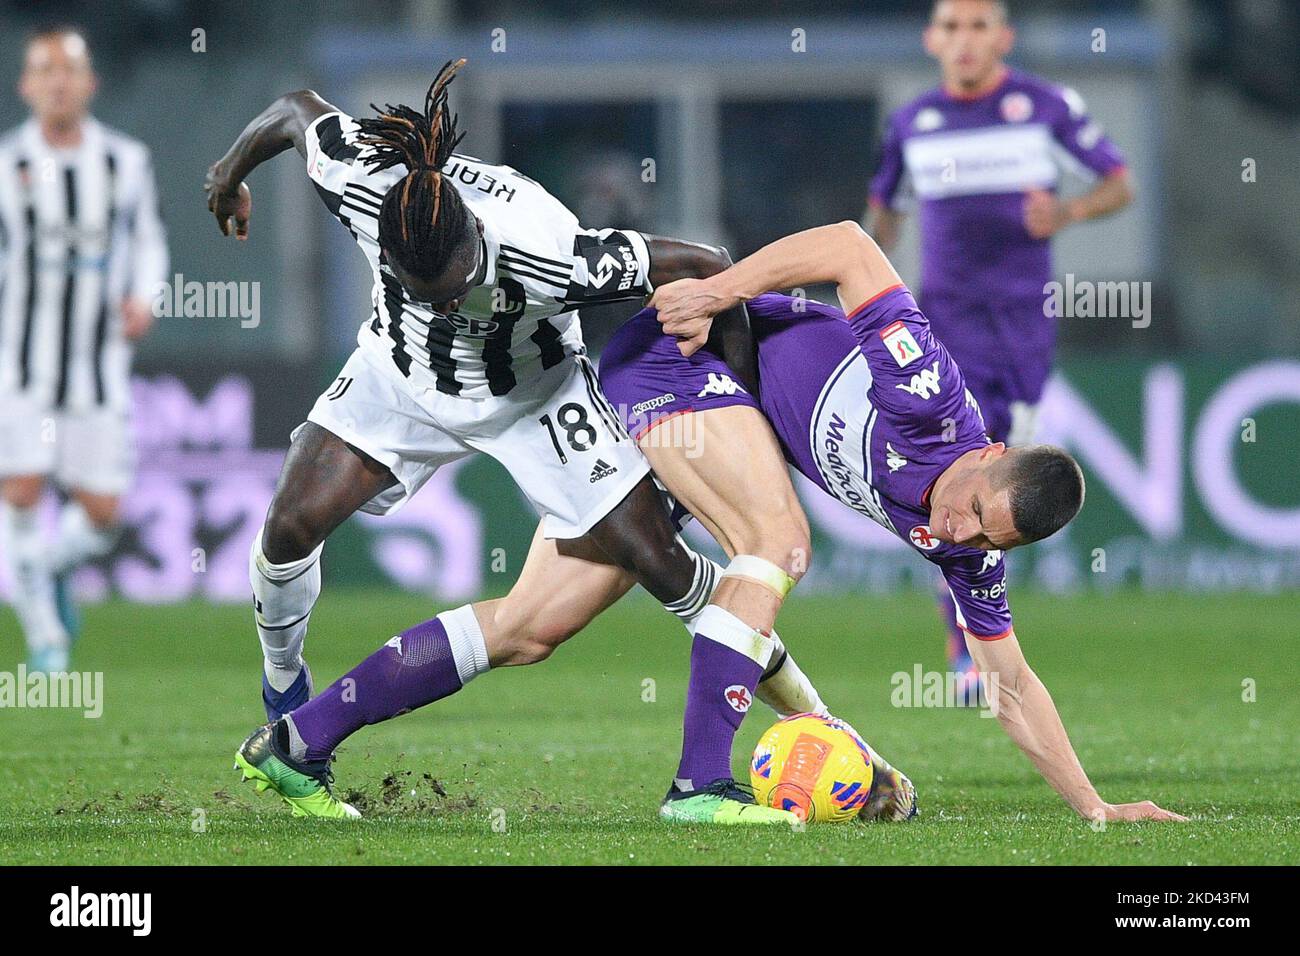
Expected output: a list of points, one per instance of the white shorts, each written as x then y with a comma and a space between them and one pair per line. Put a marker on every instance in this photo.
556, 434
90, 450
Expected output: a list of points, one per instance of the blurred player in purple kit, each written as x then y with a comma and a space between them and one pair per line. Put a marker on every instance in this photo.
873, 408
982, 154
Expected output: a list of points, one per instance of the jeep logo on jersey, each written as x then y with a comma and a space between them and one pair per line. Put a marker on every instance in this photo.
738, 698
924, 383
468, 325
923, 537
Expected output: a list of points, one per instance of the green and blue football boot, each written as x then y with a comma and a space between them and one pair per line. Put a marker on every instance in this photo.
308, 788
723, 802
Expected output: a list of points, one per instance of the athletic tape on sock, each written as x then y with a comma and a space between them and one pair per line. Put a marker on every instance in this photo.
760, 571
721, 626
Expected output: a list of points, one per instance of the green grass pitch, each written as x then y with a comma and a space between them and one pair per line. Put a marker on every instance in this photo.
565, 762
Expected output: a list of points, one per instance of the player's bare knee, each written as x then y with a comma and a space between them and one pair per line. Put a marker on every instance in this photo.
783, 540
290, 533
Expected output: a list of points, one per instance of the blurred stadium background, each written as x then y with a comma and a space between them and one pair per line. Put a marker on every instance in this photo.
580, 94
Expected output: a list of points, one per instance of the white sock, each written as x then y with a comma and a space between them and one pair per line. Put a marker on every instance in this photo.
468, 646
79, 539
27, 561
283, 596
691, 605
785, 688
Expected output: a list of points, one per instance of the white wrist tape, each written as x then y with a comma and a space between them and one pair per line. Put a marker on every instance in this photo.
760, 571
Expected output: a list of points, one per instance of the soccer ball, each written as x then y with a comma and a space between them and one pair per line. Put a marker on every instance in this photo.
816, 767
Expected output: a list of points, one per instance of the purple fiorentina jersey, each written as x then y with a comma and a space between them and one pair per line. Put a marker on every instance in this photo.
970, 162
872, 410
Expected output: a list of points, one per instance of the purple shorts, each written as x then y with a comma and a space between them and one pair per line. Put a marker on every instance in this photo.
1004, 347
648, 380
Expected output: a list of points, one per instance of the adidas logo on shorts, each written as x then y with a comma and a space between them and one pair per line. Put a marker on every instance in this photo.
602, 470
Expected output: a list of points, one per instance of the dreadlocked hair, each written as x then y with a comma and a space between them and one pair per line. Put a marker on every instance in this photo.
422, 217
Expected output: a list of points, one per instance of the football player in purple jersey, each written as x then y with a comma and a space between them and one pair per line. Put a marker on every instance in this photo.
983, 153
870, 405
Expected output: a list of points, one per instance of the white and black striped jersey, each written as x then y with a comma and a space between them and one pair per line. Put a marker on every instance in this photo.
79, 231
541, 267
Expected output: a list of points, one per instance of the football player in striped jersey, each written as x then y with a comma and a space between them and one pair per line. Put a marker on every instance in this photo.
82, 250
472, 345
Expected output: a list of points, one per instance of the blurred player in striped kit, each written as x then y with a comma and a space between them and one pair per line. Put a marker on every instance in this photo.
983, 153
82, 249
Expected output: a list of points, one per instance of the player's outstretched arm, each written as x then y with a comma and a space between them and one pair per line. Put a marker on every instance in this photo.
281, 125
1025, 709
841, 253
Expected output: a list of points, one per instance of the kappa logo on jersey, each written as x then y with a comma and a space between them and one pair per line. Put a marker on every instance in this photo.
738, 698
991, 559
395, 643
925, 383
719, 385
900, 343
923, 537
650, 404
602, 469
893, 459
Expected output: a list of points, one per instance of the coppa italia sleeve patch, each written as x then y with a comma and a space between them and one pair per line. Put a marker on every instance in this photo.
900, 343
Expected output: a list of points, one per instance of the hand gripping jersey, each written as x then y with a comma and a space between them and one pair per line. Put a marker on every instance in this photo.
872, 409
541, 267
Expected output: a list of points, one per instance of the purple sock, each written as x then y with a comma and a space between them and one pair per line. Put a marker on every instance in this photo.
720, 691
413, 669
